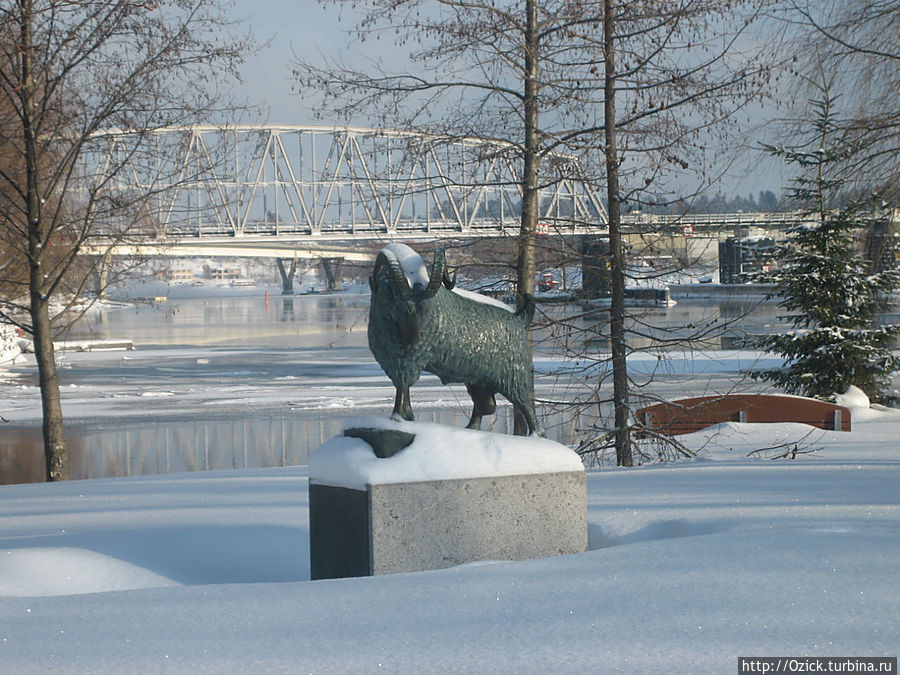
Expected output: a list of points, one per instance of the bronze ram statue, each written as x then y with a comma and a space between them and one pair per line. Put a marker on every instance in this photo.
417, 322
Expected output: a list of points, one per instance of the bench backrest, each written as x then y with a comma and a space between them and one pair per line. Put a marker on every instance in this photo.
692, 414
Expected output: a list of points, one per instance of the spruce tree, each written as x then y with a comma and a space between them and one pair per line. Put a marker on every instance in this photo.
825, 282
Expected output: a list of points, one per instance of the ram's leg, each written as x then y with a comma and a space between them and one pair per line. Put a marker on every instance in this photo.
483, 403
520, 423
524, 423
525, 420
402, 405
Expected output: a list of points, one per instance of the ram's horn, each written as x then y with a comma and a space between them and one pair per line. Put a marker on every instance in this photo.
449, 283
389, 258
438, 267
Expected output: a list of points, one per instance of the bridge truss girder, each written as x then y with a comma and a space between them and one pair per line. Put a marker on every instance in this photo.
296, 181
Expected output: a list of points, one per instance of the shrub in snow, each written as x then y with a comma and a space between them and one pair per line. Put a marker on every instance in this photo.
833, 296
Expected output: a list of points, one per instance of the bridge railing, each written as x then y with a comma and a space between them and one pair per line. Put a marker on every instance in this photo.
296, 180
700, 221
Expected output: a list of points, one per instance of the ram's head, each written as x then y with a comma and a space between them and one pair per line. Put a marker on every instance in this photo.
400, 284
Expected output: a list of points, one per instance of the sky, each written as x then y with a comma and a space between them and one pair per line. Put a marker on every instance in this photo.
283, 29
288, 29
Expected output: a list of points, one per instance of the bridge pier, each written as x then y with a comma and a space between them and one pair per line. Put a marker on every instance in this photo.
287, 308
881, 242
287, 278
595, 267
332, 267
101, 271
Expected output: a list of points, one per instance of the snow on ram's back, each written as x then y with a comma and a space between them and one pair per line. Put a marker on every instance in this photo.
698, 563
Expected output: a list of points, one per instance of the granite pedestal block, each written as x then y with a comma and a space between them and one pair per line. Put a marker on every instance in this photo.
413, 526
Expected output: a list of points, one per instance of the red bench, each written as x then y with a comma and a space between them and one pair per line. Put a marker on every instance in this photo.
692, 414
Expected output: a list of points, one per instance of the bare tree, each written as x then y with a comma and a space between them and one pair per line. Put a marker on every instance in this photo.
857, 44
484, 63
68, 71
679, 74
478, 72
633, 90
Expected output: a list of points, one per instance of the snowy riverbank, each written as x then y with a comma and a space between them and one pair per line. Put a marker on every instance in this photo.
691, 565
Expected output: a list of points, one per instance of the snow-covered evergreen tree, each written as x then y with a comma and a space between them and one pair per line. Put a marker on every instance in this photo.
826, 283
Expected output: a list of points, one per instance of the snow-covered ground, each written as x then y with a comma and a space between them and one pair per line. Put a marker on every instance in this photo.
690, 566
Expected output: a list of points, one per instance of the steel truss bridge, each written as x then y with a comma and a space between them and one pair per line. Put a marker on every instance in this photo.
317, 183
297, 191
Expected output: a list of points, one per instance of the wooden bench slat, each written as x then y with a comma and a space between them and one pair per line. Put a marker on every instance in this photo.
692, 414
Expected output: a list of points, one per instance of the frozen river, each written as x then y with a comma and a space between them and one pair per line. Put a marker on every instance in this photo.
256, 380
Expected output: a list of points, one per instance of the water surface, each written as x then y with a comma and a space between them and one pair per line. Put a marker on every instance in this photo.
262, 380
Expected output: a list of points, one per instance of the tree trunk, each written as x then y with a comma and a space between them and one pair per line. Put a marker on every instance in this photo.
616, 253
56, 455
525, 267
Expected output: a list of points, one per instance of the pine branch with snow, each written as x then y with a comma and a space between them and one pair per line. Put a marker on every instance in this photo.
833, 297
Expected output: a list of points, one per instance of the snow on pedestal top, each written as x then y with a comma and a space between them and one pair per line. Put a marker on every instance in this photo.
438, 453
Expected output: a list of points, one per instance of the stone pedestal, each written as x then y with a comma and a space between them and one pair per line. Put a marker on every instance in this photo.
388, 526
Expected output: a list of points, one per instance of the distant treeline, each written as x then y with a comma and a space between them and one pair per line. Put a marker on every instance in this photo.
768, 202
765, 202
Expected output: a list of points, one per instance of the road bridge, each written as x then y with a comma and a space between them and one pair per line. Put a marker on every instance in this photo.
339, 192
328, 192
328, 183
